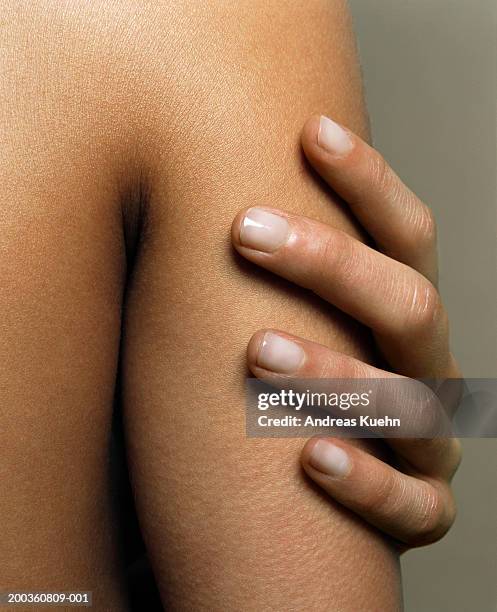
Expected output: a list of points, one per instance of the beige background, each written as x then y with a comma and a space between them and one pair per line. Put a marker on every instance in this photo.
430, 68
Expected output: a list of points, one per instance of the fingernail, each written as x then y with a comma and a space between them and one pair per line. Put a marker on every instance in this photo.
329, 459
279, 354
333, 138
263, 231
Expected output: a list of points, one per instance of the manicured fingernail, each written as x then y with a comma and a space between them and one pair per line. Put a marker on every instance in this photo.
263, 231
333, 138
279, 354
329, 459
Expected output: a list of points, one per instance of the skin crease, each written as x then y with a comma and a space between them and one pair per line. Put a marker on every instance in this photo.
200, 106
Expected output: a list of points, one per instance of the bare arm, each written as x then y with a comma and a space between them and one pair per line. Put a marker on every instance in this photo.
195, 107
232, 523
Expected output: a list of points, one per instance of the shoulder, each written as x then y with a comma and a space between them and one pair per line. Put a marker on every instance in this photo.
151, 55
143, 79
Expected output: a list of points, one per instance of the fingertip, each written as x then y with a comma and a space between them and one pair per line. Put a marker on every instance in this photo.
325, 456
328, 145
276, 353
307, 449
253, 348
236, 227
309, 135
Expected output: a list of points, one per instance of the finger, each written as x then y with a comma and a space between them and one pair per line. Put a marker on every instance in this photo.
400, 305
401, 225
281, 359
412, 510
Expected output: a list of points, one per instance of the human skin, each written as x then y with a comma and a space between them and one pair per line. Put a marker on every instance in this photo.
232, 523
411, 501
132, 136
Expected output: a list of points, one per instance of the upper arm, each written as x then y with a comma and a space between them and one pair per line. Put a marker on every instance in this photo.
230, 522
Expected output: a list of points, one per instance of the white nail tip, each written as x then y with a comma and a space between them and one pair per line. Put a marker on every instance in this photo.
333, 137
263, 231
329, 459
278, 354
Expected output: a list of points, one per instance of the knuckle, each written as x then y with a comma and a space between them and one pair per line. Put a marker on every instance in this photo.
427, 419
425, 228
381, 174
335, 257
385, 496
425, 312
340, 366
430, 516
420, 231
433, 519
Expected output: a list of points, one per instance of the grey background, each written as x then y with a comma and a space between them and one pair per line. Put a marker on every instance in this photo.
430, 69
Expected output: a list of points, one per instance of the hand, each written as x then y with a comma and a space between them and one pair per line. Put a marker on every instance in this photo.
412, 503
